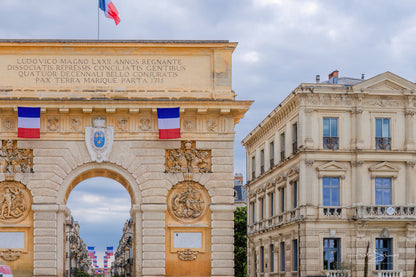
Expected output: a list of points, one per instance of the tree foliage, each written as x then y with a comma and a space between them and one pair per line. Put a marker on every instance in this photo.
240, 242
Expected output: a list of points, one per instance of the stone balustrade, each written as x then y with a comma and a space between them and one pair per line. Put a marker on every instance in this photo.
387, 273
383, 212
337, 273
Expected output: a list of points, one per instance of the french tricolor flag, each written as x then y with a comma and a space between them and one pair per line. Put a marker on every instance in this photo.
169, 123
28, 123
109, 10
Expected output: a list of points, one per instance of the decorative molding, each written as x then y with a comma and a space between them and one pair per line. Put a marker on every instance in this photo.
188, 201
14, 201
122, 124
332, 169
212, 125
357, 163
384, 169
10, 255
53, 124
14, 160
410, 164
187, 159
309, 163
187, 255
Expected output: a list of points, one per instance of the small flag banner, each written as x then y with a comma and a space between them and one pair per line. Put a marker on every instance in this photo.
110, 249
5, 271
109, 10
169, 123
28, 123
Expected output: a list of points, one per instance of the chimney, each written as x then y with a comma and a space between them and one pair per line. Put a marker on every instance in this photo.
362, 76
333, 77
318, 78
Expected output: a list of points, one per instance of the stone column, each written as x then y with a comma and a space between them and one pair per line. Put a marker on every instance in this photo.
308, 141
358, 118
153, 239
409, 140
409, 187
136, 215
46, 260
305, 176
222, 240
359, 192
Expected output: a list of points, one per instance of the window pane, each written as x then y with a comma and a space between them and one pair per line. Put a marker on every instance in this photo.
383, 191
326, 127
386, 127
379, 127
334, 127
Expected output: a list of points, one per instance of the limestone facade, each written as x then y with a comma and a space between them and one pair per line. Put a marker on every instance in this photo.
122, 84
331, 180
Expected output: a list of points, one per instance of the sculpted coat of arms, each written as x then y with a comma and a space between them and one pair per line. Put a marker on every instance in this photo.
99, 140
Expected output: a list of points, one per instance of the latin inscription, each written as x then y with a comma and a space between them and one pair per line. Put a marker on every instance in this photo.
113, 71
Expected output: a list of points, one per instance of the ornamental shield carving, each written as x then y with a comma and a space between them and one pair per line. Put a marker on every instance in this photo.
99, 140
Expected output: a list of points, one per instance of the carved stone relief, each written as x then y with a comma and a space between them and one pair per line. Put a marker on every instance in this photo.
122, 124
189, 125
187, 255
188, 201
187, 159
212, 125
75, 124
53, 124
144, 124
13, 160
9, 124
10, 255
14, 201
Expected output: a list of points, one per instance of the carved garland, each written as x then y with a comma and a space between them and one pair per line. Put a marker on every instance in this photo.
187, 255
10, 255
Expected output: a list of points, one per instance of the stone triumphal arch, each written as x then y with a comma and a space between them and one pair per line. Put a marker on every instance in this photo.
181, 189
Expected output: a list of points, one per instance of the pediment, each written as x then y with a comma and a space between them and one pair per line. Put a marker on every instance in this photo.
332, 169
383, 167
292, 173
332, 166
280, 178
385, 83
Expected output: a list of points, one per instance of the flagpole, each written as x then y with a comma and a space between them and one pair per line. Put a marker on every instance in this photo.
98, 19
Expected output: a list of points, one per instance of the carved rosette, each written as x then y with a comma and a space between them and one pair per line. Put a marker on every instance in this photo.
10, 255
187, 159
14, 201
187, 255
188, 201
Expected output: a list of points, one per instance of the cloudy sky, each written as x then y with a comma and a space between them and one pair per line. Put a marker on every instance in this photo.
282, 43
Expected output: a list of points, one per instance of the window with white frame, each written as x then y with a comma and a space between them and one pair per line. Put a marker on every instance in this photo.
330, 133
383, 139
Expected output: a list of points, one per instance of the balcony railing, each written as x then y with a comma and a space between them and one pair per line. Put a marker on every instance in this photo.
332, 211
383, 143
330, 142
385, 212
294, 147
387, 273
337, 273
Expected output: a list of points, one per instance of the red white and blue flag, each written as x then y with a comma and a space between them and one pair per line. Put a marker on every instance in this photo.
169, 123
28, 123
109, 10
109, 250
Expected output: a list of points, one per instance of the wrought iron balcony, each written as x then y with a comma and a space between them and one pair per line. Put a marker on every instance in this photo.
331, 143
383, 143
385, 212
294, 147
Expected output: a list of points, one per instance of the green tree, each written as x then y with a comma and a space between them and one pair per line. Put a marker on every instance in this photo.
240, 242
82, 274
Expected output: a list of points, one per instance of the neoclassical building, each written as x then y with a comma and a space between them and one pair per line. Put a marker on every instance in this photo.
331, 180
